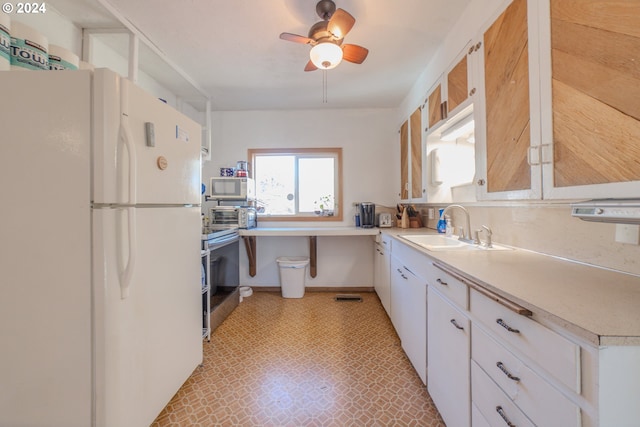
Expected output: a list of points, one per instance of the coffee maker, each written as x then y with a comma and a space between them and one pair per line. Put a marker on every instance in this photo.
367, 214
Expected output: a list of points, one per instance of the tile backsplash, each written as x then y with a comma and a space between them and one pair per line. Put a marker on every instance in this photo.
550, 229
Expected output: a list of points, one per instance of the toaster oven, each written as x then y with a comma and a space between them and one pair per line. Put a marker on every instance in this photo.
223, 217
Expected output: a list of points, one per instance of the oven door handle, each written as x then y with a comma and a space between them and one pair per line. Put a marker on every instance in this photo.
217, 244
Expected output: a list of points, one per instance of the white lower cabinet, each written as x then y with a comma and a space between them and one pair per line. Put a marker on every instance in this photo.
494, 406
489, 364
531, 338
477, 419
409, 314
542, 403
449, 331
382, 272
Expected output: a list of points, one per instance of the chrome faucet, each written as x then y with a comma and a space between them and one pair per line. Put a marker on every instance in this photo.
488, 243
478, 241
465, 236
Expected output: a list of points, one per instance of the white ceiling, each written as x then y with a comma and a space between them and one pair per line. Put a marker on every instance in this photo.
232, 50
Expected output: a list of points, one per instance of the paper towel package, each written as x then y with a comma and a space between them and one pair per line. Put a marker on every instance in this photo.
62, 59
29, 48
5, 42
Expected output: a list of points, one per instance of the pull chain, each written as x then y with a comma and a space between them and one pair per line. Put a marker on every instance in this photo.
324, 86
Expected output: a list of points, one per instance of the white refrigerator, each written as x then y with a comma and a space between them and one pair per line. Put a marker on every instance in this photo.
100, 301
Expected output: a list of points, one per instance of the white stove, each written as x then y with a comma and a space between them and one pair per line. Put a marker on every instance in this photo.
215, 236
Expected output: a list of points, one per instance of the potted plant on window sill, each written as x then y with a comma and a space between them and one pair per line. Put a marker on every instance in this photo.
324, 206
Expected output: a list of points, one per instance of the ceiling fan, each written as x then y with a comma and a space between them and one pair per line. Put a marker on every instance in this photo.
326, 37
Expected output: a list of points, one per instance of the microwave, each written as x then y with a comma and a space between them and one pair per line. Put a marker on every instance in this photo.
229, 217
232, 188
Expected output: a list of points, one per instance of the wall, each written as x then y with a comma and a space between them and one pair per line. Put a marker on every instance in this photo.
58, 29
62, 32
369, 143
540, 226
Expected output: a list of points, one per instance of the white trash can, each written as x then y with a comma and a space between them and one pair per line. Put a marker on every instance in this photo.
293, 271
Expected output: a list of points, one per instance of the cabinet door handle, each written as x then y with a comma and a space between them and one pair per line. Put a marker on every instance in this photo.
534, 156
442, 282
503, 415
507, 327
500, 411
505, 371
546, 154
454, 323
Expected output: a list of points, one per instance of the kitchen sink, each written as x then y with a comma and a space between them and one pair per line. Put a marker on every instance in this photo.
438, 242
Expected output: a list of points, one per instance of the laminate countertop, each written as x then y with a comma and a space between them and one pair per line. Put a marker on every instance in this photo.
600, 305
310, 231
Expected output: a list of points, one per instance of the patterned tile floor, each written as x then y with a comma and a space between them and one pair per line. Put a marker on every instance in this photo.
303, 362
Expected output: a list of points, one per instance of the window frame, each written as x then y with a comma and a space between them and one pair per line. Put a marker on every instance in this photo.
329, 151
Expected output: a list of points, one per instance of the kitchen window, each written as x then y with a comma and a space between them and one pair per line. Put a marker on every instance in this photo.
303, 184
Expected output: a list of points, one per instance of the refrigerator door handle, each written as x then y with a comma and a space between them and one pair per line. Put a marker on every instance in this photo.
132, 249
127, 139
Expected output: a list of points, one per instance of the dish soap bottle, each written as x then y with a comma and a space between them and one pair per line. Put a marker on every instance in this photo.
442, 224
448, 227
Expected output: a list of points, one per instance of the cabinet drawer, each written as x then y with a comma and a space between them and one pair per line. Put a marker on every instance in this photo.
477, 419
415, 261
554, 353
385, 241
452, 288
545, 405
494, 406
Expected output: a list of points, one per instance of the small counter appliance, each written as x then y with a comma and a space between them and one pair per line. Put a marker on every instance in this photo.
384, 220
367, 214
231, 217
232, 188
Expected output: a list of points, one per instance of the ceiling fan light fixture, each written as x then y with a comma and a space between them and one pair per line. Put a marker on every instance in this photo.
326, 55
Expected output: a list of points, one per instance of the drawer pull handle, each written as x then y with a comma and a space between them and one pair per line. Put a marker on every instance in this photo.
454, 323
504, 370
441, 282
507, 327
500, 411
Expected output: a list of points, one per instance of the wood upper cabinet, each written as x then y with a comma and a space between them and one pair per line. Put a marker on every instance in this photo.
434, 102
458, 84
411, 156
506, 88
453, 90
415, 127
595, 98
560, 117
404, 160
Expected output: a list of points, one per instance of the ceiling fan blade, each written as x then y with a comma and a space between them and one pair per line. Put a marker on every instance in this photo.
340, 23
310, 66
354, 53
296, 38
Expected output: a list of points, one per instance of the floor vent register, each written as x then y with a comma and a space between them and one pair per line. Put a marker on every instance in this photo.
348, 297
